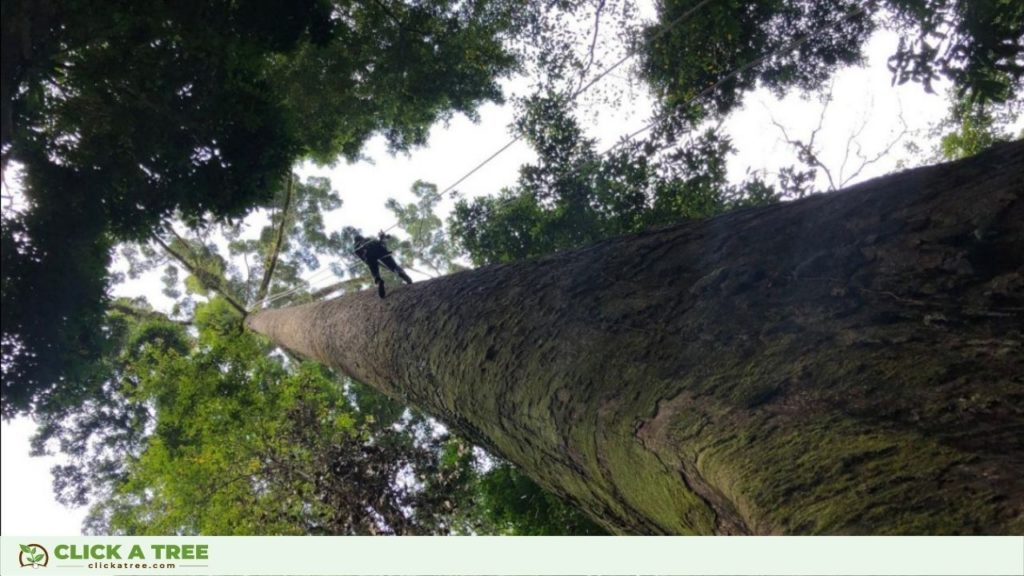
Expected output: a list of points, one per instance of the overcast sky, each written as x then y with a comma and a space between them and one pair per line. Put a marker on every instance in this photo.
864, 102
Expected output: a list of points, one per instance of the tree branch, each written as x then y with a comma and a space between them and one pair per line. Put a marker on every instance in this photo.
193, 269
806, 152
593, 45
865, 162
272, 257
143, 314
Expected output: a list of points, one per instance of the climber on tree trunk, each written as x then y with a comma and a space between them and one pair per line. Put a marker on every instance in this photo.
375, 252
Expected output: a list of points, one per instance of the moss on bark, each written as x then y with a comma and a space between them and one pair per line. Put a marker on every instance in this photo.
851, 363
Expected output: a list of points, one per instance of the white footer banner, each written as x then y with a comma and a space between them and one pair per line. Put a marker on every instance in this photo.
505, 556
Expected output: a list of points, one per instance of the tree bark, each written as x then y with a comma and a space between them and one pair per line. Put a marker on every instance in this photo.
850, 363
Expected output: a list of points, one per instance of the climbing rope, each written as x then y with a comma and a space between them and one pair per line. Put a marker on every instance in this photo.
572, 97
785, 48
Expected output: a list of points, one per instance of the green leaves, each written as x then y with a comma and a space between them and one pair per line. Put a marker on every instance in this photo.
696, 52
125, 117
976, 45
573, 196
973, 126
244, 446
428, 245
32, 554
512, 504
213, 432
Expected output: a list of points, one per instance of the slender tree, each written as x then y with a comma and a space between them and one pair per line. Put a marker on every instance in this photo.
846, 363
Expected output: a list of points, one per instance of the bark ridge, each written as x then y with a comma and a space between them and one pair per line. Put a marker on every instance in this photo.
851, 363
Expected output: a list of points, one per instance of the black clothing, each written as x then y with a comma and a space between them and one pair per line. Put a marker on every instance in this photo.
388, 261
371, 250
375, 252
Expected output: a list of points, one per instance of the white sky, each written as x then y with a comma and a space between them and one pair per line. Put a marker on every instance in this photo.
863, 98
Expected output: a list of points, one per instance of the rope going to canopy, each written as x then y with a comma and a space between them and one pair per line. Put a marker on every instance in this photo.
785, 48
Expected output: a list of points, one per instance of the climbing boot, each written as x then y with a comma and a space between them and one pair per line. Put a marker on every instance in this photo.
380, 288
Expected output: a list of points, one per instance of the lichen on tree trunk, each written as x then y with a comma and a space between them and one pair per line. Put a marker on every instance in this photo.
850, 363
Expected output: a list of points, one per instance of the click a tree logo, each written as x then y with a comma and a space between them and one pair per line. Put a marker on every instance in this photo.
33, 555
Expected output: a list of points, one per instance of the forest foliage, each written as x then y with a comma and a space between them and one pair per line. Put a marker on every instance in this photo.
164, 133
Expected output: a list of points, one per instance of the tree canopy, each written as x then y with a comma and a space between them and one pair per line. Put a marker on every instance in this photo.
783, 44
124, 115
243, 444
191, 425
156, 130
573, 195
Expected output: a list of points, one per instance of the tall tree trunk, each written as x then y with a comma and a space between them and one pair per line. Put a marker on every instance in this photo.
848, 363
